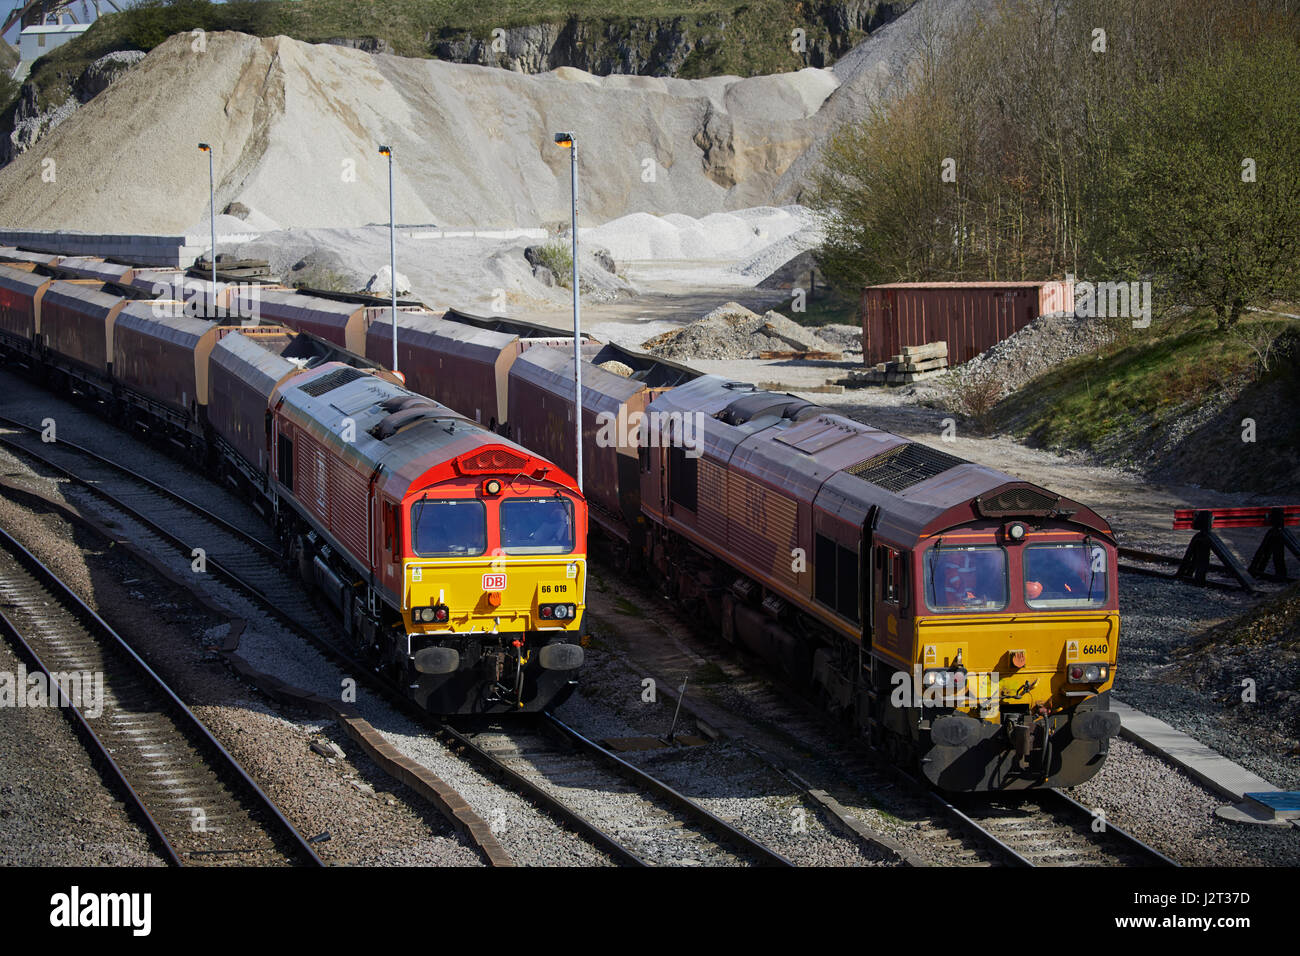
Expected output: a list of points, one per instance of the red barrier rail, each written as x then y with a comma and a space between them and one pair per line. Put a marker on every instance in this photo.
1205, 521
1256, 517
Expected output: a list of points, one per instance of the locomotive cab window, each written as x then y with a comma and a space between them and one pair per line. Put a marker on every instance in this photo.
1065, 575
444, 529
537, 525
835, 577
966, 579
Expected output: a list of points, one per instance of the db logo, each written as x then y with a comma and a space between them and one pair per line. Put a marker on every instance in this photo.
494, 582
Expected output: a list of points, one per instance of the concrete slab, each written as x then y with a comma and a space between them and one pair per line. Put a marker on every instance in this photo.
1207, 766
1280, 808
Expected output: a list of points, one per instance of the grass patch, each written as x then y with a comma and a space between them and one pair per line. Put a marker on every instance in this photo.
624, 606
557, 255
826, 308
1144, 379
327, 280
707, 675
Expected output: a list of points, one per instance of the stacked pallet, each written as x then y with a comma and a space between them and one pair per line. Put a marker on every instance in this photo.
915, 364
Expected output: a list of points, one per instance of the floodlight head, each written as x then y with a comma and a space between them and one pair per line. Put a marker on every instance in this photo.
385, 151
205, 147
564, 139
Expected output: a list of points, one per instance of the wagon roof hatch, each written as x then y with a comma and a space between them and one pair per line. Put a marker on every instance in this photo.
821, 433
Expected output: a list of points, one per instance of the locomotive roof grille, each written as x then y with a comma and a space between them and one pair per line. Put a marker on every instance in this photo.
330, 381
904, 466
492, 460
1017, 501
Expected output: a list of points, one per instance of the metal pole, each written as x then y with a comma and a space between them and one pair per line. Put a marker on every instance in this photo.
212, 215
577, 321
392, 254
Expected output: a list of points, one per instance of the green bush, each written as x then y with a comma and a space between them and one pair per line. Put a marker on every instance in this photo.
557, 255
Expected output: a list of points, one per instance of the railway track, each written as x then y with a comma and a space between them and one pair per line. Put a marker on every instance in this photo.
1050, 828
240, 565
640, 820
200, 805
249, 564
1041, 828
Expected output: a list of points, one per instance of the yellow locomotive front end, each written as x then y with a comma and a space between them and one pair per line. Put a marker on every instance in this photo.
502, 595
493, 586
1014, 654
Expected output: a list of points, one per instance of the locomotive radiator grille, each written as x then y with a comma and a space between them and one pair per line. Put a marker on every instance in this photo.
328, 382
904, 466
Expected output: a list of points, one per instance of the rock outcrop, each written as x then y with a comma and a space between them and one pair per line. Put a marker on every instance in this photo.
27, 123
679, 46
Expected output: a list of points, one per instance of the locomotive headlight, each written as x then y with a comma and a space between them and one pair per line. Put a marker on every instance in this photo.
561, 612
426, 615
944, 678
492, 487
1016, 532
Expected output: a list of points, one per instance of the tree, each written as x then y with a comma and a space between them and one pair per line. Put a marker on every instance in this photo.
1206, 195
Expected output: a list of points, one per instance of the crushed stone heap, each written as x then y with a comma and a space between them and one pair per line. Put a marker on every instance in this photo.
732, 331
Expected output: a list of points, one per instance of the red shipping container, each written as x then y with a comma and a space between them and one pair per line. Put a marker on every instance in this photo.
969, 316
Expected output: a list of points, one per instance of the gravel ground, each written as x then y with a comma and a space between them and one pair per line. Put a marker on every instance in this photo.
55, 807
1166, 809
727, 779
371, 819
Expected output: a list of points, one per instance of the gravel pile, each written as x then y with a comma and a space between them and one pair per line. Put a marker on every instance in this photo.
1250, 674
847, 338
732, 331
762, 237
1039, 347
1160, 618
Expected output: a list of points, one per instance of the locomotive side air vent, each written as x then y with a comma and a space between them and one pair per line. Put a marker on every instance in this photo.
904, 466
330, 381
1026, 502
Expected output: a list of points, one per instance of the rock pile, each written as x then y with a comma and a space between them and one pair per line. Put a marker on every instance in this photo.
1038, 348
732, 331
